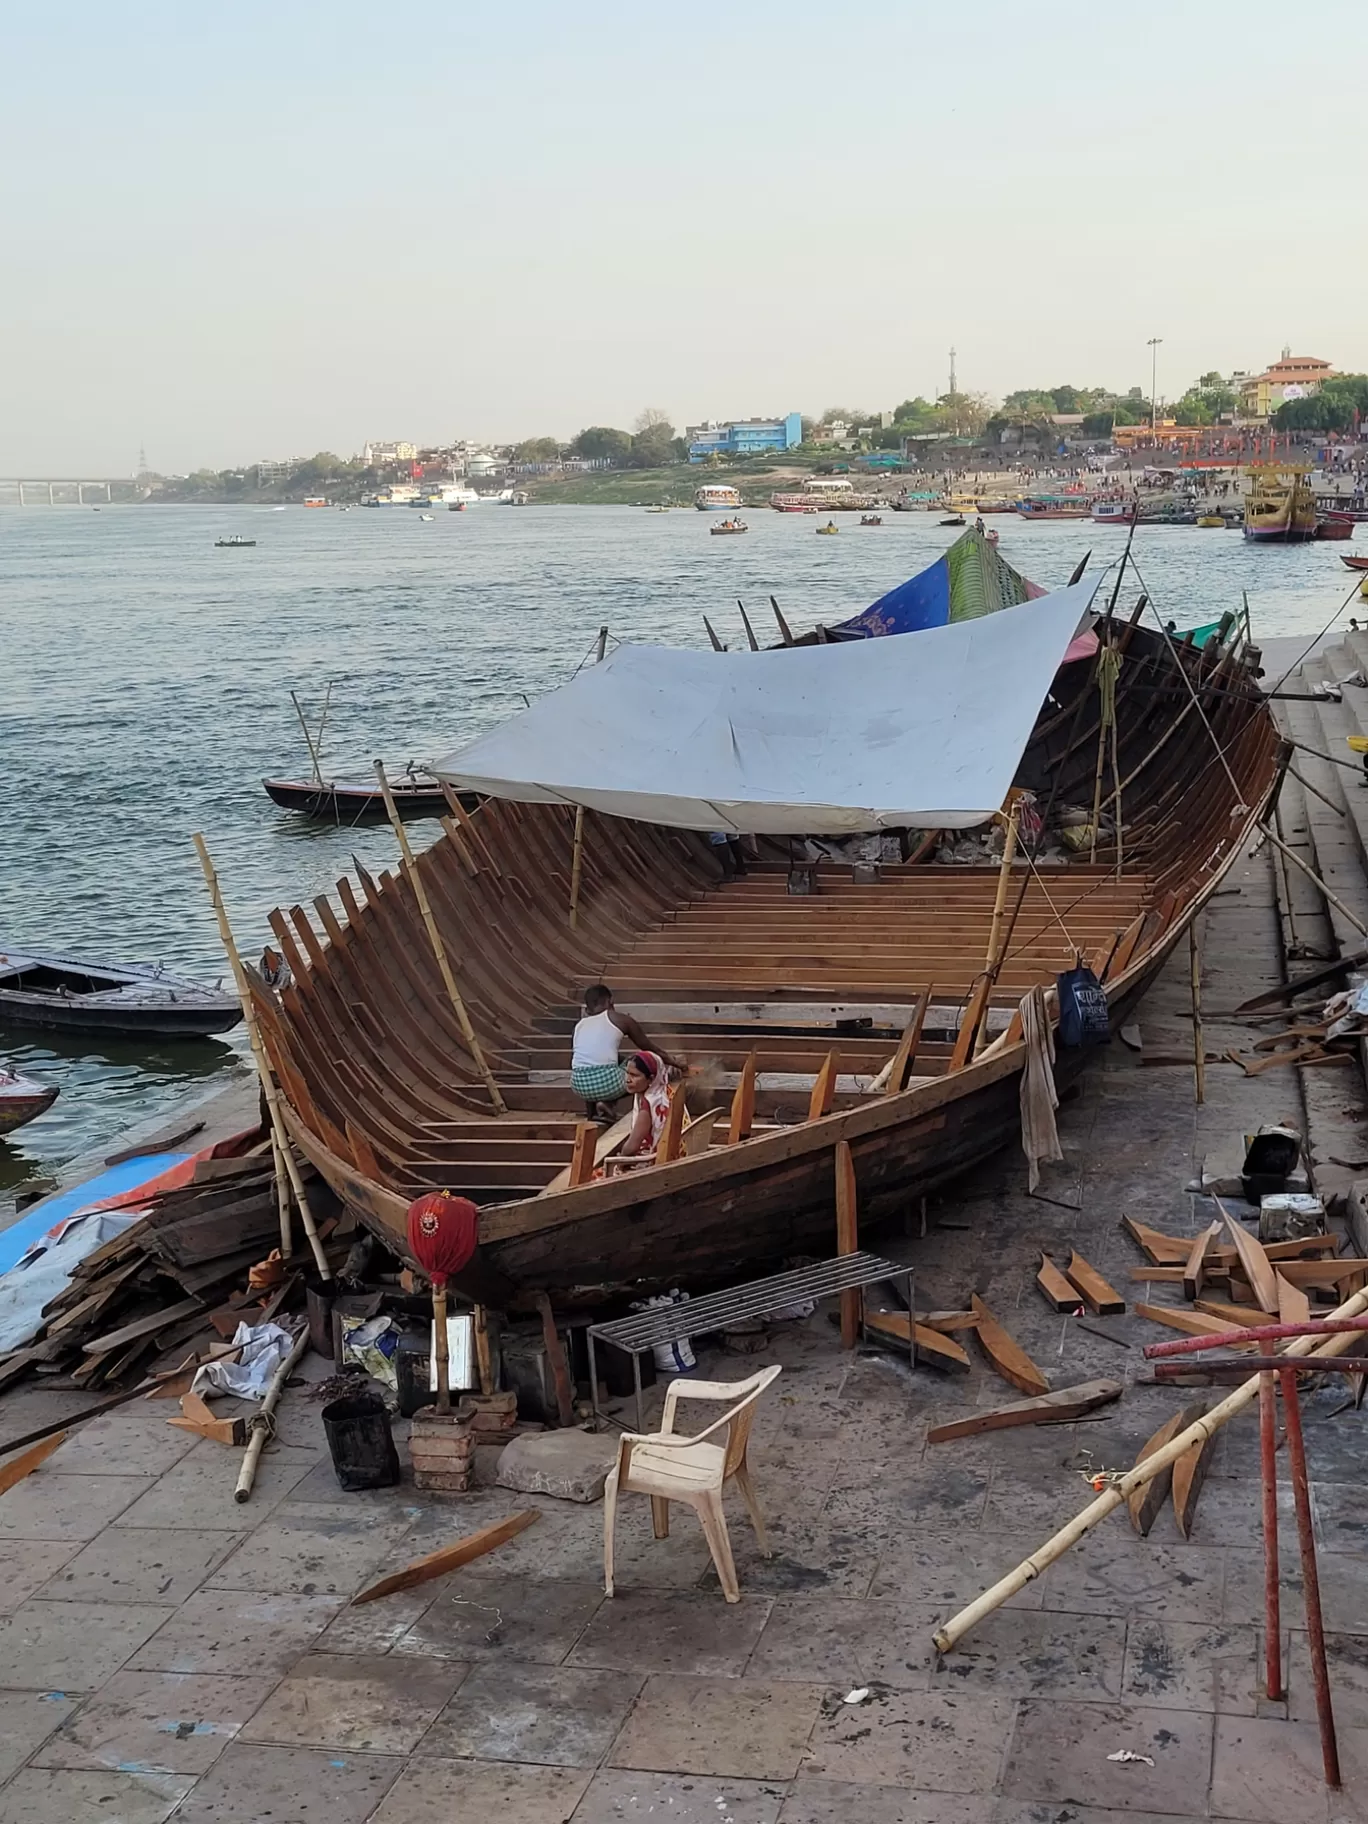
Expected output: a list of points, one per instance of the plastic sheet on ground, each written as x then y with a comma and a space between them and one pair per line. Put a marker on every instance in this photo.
264, 1347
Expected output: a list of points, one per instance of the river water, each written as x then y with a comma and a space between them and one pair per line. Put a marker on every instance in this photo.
145, 679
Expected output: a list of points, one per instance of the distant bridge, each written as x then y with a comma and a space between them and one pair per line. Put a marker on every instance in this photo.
16, 491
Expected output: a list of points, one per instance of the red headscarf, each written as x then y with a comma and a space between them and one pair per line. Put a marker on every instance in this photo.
442, 1233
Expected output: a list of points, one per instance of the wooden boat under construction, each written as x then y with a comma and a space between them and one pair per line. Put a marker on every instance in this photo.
801, 999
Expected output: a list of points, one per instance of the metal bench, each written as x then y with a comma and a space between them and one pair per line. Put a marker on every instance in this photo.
718, 1310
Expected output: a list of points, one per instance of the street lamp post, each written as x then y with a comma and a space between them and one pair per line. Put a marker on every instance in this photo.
1153, 346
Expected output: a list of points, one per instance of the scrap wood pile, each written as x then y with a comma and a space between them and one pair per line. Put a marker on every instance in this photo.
185, 1263
1310, 1034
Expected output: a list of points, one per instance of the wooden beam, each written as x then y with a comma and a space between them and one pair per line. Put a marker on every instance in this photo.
847, 1240
1144, 1503
1241, 1315
25, 1464
905, 1056
1103, 1299
743, 1104
933, 1349
1194, 1323
1255, 1263
1163, 1250
1068, 1403
195, 1416
948, 1321
1006, 1355
1059, 1294
450, 1557
1294, 1307
1189, 1473
582, 1159
823, 1090
671, 1145
1194, 1271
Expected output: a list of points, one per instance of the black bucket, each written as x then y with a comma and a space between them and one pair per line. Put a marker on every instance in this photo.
362, 1445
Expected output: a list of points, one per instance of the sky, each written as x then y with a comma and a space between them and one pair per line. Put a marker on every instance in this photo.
265, 230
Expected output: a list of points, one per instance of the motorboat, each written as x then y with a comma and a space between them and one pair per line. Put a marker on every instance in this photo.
235, 543
956, 520
725, 527
129, 1000
870, 519
22, 1099
829, 530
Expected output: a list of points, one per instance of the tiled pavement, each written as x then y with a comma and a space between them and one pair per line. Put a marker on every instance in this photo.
164, 1652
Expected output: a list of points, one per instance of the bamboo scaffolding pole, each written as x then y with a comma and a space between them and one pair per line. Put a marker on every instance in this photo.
282, 1198
993, 961
262, 1422
314, 753
435, 939
1306, 1539
577, 849
1311, 874
280, 1137
1144, 1472
1198, 1030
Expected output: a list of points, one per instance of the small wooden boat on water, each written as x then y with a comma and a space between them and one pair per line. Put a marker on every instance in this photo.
1334, 525
1355, 563
728, 527
870, 519
956, 520
354, 801
791, 1006
129, 1000
22, 1099
235, 543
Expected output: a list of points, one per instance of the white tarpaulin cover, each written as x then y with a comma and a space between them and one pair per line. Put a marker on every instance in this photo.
925, 730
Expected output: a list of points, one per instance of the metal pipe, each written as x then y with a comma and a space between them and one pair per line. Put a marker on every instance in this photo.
1257, 1333
1315, 1631
1268, 1453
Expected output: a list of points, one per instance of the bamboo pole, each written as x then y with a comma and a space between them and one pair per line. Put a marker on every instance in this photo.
1311, 874
435, 939
263, 1062
1306, 1538
1198, 1031
1268, 1493
282, 1198
262, 1422
440, 1347
577, 850
309, 740
992, 962
1145, 1471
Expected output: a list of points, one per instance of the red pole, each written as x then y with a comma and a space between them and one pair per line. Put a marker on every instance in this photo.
1273, 1686
1257, 1333
1315, 1632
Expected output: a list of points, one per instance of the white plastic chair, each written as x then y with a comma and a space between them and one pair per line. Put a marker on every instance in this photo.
670, 1467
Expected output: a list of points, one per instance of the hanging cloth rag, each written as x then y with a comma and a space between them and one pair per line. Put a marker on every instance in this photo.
1039, 1100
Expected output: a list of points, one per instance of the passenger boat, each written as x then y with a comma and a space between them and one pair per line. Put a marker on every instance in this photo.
714, 498
130, 1000
871, 519
791, 1006
1054, 506
22, 1099
235, 543
1280, 508
1114, 512
727, 526
338, 801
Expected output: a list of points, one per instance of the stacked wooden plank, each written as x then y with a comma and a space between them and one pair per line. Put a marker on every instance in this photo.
156, 1285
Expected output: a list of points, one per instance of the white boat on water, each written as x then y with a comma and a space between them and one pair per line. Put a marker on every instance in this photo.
714, 498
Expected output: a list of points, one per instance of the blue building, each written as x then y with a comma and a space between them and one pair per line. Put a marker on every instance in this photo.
744, 437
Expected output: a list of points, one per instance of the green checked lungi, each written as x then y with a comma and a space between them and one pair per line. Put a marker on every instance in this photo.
599, 1082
